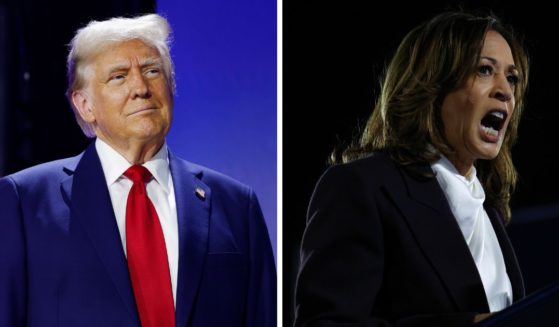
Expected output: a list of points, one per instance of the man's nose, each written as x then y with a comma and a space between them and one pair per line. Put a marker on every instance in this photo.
140, 86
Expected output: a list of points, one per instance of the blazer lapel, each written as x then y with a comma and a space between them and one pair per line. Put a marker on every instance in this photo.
193, 199
438, 234
513, 268
90, 203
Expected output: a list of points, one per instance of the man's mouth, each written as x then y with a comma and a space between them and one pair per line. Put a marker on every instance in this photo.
493, 122
142, 109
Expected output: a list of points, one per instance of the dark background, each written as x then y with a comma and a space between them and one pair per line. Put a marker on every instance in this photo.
334, 56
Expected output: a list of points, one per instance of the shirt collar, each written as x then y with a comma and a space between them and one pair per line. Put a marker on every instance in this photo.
444, 164
114, 164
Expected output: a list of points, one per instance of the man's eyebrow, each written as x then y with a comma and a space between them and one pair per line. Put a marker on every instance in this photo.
124, 65
153, 61
118, 66
496, 62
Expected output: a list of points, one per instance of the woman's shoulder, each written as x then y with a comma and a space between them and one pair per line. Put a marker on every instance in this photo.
378, 160
377, 166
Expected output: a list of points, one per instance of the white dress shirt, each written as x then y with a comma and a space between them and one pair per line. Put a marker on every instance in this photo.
160, 191
465, 196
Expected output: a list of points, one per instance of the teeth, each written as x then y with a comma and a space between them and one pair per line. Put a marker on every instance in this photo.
489, 130
498, 114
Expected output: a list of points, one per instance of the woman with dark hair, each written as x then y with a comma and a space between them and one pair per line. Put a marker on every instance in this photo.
407, 228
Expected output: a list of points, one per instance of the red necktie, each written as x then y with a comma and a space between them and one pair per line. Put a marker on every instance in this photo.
147, 255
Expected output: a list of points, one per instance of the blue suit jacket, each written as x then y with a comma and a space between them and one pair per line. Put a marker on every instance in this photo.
62, 261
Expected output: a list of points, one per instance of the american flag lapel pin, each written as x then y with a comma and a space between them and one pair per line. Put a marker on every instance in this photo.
200, 193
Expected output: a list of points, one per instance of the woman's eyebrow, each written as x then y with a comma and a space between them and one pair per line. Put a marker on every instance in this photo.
496, 62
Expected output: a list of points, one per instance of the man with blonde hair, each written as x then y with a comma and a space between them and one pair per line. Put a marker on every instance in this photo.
127, 234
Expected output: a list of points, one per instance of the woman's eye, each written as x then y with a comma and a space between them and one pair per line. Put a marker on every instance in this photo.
513, 80
485, 70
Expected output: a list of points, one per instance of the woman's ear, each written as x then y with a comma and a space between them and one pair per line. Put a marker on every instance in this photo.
82, 104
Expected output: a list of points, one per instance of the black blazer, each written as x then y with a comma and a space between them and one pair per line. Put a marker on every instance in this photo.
382, 248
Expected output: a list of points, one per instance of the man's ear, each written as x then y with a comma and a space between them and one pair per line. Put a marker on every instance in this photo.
83, 105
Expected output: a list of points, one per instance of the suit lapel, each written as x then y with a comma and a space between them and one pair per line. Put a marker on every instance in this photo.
193, 199
513, 269
90, 203
438, 234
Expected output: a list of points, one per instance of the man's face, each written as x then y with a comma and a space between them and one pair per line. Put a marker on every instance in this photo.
128, 100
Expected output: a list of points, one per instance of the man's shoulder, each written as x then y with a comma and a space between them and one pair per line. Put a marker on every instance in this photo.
40, 173
212, 178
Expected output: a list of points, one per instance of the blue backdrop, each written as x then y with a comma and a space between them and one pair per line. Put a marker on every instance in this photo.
225, 109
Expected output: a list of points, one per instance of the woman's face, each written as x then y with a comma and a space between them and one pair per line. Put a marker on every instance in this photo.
476, 115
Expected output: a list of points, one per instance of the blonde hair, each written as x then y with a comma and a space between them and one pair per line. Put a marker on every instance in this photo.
89, 41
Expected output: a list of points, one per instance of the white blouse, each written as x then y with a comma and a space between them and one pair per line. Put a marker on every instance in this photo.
465, 196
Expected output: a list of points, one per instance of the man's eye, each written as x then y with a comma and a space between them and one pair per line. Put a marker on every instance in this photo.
153, 72
485, 70
117, 77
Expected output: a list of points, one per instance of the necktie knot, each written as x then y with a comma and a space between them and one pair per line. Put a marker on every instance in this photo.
138, 173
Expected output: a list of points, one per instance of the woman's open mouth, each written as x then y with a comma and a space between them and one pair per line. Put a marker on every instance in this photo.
492, 123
